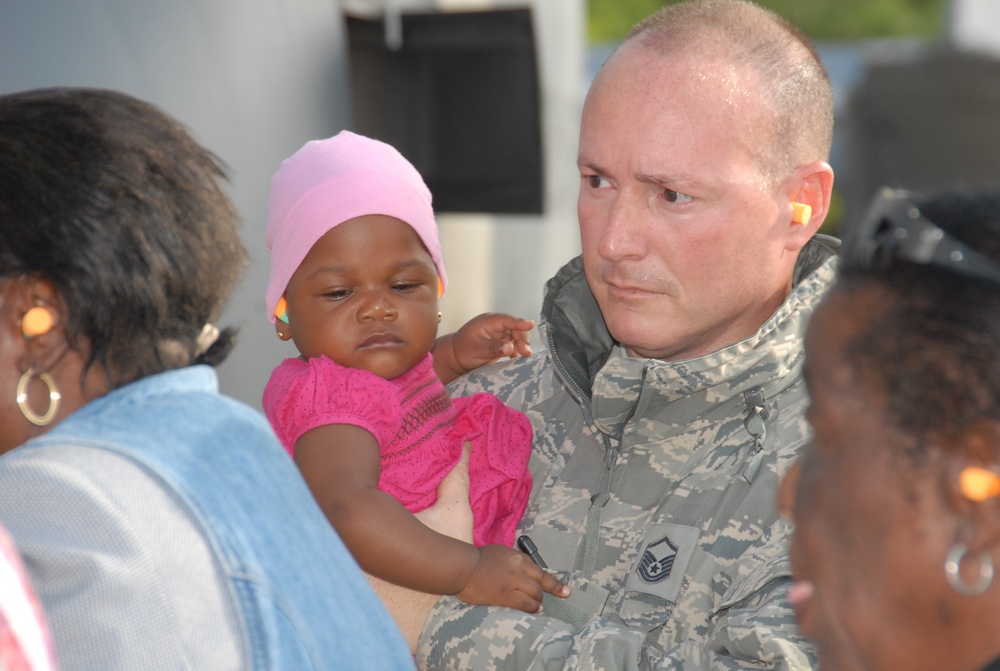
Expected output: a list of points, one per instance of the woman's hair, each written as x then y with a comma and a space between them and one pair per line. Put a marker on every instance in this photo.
116, 204
934, 347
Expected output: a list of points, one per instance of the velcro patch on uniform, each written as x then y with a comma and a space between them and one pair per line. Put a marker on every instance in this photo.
659, 569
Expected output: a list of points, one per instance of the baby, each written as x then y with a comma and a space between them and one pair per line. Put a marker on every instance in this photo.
356, 274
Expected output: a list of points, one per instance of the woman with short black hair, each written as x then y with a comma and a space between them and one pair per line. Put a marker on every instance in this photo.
153, 513
897, 500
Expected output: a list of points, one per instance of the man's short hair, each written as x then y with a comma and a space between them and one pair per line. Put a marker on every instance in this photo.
791, 78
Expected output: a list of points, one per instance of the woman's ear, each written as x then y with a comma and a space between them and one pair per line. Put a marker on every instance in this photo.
973, 482
38, 311
809, 189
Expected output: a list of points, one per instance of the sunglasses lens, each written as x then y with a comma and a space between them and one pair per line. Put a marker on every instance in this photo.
895, 229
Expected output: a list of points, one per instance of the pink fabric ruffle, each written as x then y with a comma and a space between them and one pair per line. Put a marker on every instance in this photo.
420, 432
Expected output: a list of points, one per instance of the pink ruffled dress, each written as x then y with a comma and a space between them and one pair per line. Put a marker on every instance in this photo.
24, 638
420, 430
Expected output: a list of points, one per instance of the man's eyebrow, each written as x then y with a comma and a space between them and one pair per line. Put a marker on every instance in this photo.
583, 162
680, 180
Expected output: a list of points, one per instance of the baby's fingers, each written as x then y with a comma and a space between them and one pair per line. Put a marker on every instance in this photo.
521, 345
529, 603
529, 597
553, 586
512, 323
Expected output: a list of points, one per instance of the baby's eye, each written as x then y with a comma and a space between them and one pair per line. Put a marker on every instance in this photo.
405, 287
675, 196
338, 294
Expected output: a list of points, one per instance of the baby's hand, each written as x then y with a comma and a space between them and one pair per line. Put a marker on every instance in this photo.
490, 336
505, 577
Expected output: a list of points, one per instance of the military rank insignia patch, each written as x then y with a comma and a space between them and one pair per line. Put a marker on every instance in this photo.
657, 561
662, 559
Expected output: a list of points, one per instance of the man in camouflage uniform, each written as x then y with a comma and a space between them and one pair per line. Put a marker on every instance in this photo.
669, 400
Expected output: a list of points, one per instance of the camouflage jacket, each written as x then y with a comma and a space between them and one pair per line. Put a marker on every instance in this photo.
674, 468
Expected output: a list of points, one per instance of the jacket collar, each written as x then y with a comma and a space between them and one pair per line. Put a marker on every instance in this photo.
587, 358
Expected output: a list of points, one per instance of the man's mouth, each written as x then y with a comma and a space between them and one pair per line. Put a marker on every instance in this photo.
625, 289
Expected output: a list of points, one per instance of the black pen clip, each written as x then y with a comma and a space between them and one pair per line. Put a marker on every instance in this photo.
527, 546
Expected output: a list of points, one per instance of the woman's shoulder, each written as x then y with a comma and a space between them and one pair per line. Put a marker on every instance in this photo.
100, 504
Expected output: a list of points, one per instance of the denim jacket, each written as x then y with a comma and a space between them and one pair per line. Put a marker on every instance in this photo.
295, 598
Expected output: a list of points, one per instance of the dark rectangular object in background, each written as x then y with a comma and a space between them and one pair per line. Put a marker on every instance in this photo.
459, 98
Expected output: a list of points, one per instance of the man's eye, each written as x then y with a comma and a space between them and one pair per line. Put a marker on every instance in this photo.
596, 181
675, 196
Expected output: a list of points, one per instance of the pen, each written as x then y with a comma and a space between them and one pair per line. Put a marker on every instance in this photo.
526, 546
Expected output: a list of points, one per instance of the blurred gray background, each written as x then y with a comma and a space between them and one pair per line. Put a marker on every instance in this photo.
447, 83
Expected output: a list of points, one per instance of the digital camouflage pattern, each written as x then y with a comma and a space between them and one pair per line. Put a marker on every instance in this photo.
690, 566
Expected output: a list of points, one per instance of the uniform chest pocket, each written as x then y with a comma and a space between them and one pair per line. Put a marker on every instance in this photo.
655, 580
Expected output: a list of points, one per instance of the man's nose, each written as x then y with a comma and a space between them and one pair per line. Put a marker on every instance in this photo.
624, 233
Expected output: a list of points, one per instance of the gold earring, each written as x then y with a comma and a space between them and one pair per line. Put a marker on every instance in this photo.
439, 316
22, 398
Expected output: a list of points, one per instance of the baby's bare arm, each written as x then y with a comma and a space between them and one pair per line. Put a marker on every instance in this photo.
340, 463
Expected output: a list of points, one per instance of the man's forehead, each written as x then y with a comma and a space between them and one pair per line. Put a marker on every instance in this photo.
664, 76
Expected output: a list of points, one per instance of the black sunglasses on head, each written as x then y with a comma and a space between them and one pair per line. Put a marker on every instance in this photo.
894, 228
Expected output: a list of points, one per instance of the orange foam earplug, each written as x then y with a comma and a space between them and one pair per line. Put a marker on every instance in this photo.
36, 321
281, 310
801, 213
979, 484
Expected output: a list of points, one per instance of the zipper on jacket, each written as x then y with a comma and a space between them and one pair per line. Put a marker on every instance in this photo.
592, 540
757, 414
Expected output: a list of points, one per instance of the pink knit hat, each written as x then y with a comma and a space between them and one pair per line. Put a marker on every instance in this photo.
328, 182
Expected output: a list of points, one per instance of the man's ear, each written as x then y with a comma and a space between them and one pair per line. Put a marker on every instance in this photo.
38, 317
809, 189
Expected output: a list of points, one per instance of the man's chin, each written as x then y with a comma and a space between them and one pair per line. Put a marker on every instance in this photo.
640, 338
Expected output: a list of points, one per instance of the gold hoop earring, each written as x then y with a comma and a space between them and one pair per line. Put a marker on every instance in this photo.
22, 398
953, 566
